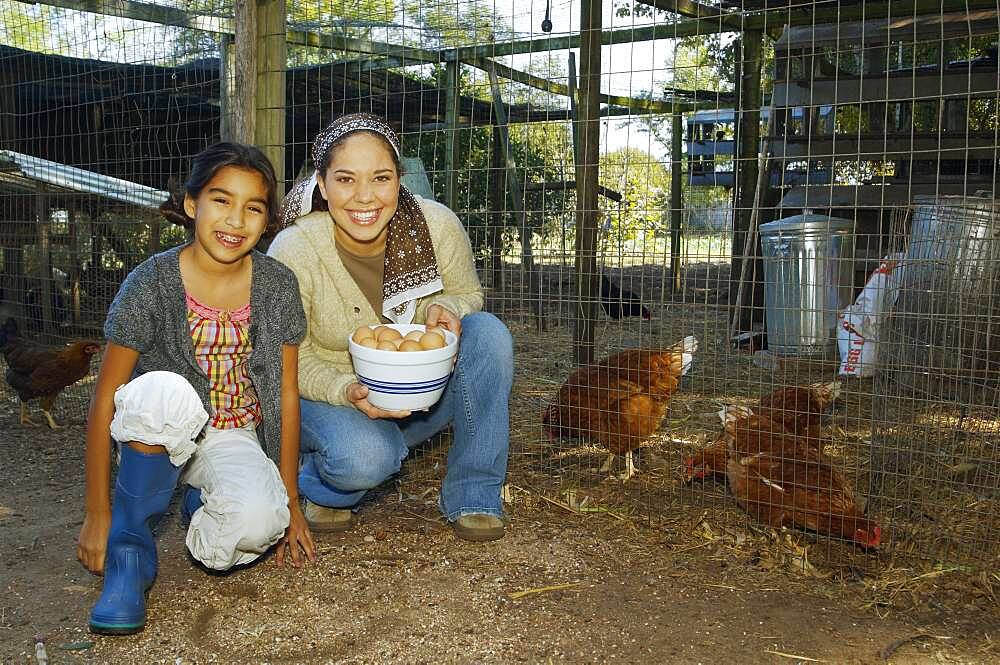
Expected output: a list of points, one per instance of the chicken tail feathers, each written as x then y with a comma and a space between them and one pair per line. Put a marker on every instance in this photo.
686, 347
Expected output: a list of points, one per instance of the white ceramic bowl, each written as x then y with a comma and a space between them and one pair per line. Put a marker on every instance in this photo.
404, 380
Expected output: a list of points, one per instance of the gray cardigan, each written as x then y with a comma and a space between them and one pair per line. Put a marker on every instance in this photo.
149, 314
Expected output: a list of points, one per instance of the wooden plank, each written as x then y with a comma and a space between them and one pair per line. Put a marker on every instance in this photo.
272, 59
43, 267
766, 19
692, 9
517, 201
573, 109
746, 163
632, 103
606, 192
889, 146
242, 123
676, 202
452, 92
896, 87
587, 178
227, 65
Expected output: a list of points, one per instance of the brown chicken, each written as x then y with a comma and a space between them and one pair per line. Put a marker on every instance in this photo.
620, 401
40, 371
786, 417
800, 408
749, 433
805, 493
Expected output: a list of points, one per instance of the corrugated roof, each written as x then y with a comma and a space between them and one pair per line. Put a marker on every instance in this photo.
22, 172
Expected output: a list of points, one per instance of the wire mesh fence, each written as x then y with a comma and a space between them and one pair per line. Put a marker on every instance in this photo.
757, 164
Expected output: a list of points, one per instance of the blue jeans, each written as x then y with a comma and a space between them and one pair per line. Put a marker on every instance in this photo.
345, 453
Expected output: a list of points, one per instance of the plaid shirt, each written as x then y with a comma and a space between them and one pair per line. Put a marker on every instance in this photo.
222, 348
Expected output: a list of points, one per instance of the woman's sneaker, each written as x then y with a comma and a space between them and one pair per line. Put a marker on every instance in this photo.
327, 520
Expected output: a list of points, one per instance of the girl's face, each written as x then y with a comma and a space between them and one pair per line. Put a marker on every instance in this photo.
230, 213
361, 188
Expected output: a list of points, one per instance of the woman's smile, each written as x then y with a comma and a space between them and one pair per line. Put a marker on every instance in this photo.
364, 217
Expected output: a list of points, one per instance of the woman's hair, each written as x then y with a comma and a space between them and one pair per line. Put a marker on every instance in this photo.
324, 160
207, 163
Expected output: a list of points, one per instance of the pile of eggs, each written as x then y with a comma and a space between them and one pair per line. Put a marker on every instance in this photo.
385, 338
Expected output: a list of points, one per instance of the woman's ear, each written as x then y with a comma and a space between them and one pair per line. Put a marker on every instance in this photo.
322, 187
190, 207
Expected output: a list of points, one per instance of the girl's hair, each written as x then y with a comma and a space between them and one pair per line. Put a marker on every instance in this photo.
207, 163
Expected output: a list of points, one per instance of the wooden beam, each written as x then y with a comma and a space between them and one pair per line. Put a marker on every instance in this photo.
746, 164
573, 108
452, 94
272, 61
606, 192
587, 179
692, 9
43, 266
517, 200
632, 103
241, 125
765, 19
676, 202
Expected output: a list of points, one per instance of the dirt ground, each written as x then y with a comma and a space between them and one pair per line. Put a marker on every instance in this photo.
592, 570
401, 588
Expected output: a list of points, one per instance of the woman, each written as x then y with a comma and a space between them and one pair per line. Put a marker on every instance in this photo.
367, 251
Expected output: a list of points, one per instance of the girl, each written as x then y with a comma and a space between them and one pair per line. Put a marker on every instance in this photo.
365, 251
208, 333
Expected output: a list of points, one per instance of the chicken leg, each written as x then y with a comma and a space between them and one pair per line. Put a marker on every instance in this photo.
52, 422
25, 420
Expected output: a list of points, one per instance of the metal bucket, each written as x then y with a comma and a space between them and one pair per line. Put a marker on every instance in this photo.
808, 273
943, 334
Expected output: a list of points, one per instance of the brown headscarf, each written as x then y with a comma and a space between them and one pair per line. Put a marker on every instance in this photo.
411, 270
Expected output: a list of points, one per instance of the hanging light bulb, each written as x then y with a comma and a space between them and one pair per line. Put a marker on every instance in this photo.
547, 21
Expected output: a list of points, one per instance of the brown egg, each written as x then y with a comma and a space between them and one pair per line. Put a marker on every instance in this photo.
432, 340
410, 345
414, 335
364, 332
386, 346
368, 342
387, 334
437, 329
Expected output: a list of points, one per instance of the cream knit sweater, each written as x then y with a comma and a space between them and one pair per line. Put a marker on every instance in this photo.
335, 307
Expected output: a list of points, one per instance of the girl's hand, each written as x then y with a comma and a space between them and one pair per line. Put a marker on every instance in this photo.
439, 316
357, 395
93, 541
297, 536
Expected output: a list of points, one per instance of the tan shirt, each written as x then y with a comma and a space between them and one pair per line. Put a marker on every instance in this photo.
368, 272
335, 306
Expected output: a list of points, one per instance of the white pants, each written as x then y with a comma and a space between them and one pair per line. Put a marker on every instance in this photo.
245, 506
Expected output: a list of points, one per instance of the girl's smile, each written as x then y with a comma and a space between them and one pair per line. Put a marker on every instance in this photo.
230, 215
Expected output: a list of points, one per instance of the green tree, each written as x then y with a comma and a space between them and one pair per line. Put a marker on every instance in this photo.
25, 26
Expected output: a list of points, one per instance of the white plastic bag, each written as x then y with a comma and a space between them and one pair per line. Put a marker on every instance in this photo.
859, 325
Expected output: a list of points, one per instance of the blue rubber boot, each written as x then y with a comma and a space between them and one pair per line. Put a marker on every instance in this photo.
142, 493
191, 502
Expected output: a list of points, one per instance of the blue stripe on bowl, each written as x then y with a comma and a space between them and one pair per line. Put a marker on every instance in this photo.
404, 388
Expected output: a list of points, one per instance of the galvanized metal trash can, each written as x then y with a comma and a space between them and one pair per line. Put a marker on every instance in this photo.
808, 273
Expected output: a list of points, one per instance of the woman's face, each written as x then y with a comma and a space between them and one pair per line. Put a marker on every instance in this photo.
361, 188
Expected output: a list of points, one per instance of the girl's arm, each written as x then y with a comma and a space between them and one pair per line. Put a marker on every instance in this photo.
116, 370
297, 534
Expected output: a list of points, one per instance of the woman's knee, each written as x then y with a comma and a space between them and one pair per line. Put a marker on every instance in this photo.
369, 457
490, 343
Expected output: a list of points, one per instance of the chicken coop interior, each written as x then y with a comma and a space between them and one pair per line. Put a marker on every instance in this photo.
807, 188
